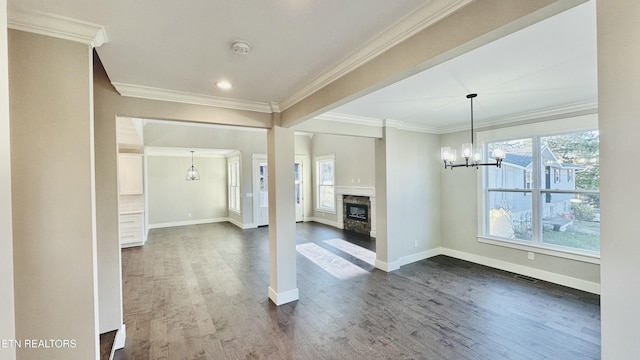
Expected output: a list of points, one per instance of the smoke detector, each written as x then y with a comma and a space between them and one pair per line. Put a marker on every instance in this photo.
240, 48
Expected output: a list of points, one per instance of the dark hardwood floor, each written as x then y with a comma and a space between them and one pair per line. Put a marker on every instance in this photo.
200, 292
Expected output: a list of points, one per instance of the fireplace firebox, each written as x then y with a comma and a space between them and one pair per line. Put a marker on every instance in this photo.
358, 212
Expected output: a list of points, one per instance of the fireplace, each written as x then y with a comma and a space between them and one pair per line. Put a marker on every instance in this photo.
355, 213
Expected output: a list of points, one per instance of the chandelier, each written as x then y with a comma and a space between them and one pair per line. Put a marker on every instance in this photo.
472, 156
192, 172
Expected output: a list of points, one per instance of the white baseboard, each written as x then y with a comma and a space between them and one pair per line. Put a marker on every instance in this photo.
283, 297
131, 244
121, 337
387, 267
559, 279
326, 222
188, 222
241, 225
405, 260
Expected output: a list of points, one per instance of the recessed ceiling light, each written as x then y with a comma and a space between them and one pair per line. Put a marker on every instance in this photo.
225, 85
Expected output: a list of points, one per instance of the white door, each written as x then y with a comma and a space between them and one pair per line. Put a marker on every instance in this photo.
298, 178
260, 191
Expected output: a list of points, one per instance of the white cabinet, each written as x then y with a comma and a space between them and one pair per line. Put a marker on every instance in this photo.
131, 229
130, 174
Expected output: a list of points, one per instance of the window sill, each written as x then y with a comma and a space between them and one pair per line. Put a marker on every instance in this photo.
584, 257
326, 211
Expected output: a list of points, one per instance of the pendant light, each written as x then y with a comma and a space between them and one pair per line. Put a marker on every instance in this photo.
472, 156
192, 172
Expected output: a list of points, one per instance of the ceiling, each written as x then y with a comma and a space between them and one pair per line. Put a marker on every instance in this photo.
546, 69
298, 45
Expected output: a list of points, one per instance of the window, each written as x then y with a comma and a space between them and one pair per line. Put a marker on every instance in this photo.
325, 183
234, 184
527, 179
553, 214
556, 175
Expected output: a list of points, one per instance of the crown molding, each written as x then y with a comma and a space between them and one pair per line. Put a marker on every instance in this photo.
367, 121
402, 125
152, 122
350, 119
186, 152
588, 107
406, 27
56, 26
151, 93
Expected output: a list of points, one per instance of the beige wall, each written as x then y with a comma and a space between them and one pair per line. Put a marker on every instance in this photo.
53, 199
172, 199
619, 86
355, 160
7, 306
407, 197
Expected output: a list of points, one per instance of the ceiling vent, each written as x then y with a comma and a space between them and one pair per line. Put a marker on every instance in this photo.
241, 47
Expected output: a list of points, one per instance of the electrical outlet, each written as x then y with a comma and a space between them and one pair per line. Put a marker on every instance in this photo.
189, 214
531, 256
415, 243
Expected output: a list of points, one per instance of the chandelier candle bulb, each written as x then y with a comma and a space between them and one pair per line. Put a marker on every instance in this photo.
477, 155
444, 153
467, 150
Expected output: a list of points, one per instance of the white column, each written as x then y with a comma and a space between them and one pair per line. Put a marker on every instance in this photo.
618, 89
386, 253
282, 216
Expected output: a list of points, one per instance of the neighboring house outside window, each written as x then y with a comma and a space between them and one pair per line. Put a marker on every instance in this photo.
554, 214
233, 171
325, 183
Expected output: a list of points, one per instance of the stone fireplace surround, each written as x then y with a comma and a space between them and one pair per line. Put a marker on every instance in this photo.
370, 192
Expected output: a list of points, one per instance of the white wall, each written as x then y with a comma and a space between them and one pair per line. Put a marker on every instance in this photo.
172, 199
7, 325
619, 86
460, 225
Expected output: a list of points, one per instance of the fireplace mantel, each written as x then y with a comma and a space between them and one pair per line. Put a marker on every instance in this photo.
340, 191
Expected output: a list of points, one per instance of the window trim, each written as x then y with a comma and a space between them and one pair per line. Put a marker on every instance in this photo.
318, 160
579, 123
234, 160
